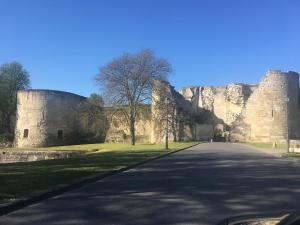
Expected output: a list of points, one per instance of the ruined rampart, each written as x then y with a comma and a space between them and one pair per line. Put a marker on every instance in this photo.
46, 118
265, 112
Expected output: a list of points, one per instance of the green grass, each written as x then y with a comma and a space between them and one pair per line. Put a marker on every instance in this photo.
106, 147
21, 180
292, 155
264, 145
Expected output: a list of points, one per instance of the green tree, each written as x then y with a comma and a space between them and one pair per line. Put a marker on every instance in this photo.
127, 82
13, 77
93, 123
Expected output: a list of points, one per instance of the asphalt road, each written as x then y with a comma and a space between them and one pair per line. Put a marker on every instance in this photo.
200, 185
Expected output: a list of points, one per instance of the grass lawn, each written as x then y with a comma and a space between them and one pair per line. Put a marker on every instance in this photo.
292, 155
20, 180
269, 145
264, 145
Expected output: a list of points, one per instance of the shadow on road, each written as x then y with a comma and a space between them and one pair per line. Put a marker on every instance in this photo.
201, 185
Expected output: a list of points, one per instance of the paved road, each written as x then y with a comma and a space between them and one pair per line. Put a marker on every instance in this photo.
200, 185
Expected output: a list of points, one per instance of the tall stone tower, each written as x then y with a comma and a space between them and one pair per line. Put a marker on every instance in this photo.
272, 111
160, 91
46, 118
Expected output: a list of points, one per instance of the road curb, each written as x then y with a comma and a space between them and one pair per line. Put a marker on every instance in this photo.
19, 204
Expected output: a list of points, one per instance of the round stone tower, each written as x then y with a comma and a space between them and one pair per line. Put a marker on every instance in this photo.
46, 118
272, 111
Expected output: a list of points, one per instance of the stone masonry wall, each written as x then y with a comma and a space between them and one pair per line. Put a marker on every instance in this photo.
45, 113
272, 111
172, 113
224, 103
265, 112
119, 130
13, 156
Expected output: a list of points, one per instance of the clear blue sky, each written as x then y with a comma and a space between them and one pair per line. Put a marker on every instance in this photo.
62, 43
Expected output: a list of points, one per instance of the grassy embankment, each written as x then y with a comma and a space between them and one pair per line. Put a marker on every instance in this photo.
21, 180
264, 145
279, 146
292, 155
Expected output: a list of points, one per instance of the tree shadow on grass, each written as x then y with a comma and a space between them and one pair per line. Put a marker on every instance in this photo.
192, 187
30, 178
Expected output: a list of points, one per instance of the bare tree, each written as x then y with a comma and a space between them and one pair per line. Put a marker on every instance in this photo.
127, 82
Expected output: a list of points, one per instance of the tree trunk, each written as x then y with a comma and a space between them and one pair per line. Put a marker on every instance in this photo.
2, 124
132, 132
174, 125
132, 118
7, 123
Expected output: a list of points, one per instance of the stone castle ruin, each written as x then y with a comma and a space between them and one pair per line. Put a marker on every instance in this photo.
265, 112
46, 118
